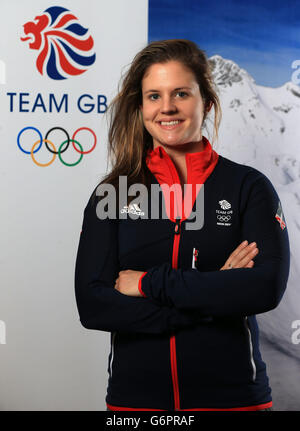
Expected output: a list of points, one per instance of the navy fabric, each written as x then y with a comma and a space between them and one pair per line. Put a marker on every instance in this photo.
210, 312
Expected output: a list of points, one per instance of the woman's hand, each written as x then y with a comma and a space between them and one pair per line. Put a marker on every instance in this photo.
242, 256
128, 282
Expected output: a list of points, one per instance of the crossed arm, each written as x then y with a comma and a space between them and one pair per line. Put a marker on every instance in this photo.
249, 289
127, 282
110, 300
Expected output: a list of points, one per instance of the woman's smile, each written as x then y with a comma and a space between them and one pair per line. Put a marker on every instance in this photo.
170, 124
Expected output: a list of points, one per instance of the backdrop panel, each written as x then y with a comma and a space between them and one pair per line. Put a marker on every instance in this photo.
60, 64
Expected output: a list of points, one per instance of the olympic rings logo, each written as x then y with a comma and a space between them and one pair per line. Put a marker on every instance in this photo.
223, 218
61, 148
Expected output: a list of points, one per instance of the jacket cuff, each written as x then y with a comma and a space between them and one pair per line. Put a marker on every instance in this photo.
140, 284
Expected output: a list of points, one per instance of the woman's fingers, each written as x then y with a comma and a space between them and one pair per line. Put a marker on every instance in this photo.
230, 261
245, 260
242, 256
238, 255
235, 252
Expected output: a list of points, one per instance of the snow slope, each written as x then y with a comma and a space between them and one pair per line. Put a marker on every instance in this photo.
260, 127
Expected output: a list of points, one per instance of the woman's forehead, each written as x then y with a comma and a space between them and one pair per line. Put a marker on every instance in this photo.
171, 72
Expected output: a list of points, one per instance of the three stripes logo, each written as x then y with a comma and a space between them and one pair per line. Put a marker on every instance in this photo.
280, 217
132, 209
65, 47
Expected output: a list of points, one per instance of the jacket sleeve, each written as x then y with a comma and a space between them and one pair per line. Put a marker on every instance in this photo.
102, 307
240, 291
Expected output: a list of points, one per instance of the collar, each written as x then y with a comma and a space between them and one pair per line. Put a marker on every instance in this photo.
199, 166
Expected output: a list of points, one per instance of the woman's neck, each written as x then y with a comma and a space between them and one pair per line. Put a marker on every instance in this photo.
178, 151
177, 154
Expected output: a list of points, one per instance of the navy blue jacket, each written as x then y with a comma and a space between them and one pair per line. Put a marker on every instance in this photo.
192, 341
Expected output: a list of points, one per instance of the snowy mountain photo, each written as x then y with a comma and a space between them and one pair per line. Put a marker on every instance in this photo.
253, 48
259, 128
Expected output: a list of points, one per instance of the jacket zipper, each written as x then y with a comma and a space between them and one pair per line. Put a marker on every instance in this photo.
172, 339
176, 241
251, 350
176, 244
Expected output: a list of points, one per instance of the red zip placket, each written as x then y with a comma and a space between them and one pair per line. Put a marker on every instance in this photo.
176, 241
173, 339
199, 166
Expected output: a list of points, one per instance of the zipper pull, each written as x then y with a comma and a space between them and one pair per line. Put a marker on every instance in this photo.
177, 226
195, 258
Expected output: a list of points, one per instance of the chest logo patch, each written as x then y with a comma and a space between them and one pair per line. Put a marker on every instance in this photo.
224, 205
224, 214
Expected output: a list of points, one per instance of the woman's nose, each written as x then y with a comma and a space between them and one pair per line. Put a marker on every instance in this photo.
168, 105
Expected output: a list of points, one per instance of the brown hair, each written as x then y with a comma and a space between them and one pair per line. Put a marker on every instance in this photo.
128, 139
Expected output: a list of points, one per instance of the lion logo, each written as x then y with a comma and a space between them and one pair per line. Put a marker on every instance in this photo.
65, 46
224, 205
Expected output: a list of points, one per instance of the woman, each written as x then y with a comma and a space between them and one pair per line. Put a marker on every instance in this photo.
180, 299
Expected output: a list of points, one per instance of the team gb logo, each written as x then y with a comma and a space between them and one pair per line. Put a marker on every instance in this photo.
65, 47
224, 205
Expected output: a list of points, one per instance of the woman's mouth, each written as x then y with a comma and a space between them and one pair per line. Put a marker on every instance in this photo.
170, 125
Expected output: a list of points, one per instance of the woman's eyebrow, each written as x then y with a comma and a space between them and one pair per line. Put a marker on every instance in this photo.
175, 89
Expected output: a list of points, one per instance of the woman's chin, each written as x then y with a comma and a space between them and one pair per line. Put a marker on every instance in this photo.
172, 143
179, 145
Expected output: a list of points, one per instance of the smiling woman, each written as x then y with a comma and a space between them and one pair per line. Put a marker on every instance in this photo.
173, 113
180, 303
128, 111
173, 109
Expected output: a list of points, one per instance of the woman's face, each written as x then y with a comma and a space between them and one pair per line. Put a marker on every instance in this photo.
172, 105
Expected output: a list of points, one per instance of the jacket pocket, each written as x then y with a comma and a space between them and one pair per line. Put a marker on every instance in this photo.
251, 357
112, 353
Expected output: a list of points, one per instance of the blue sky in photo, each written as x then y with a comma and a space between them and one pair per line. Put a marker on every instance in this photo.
261, 36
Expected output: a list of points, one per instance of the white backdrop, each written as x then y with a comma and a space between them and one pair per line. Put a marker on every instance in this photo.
49, 361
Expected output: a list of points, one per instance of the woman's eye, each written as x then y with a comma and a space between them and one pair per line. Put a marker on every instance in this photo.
153, 96
181, 94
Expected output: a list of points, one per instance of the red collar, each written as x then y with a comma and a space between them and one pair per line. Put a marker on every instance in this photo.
199, 166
